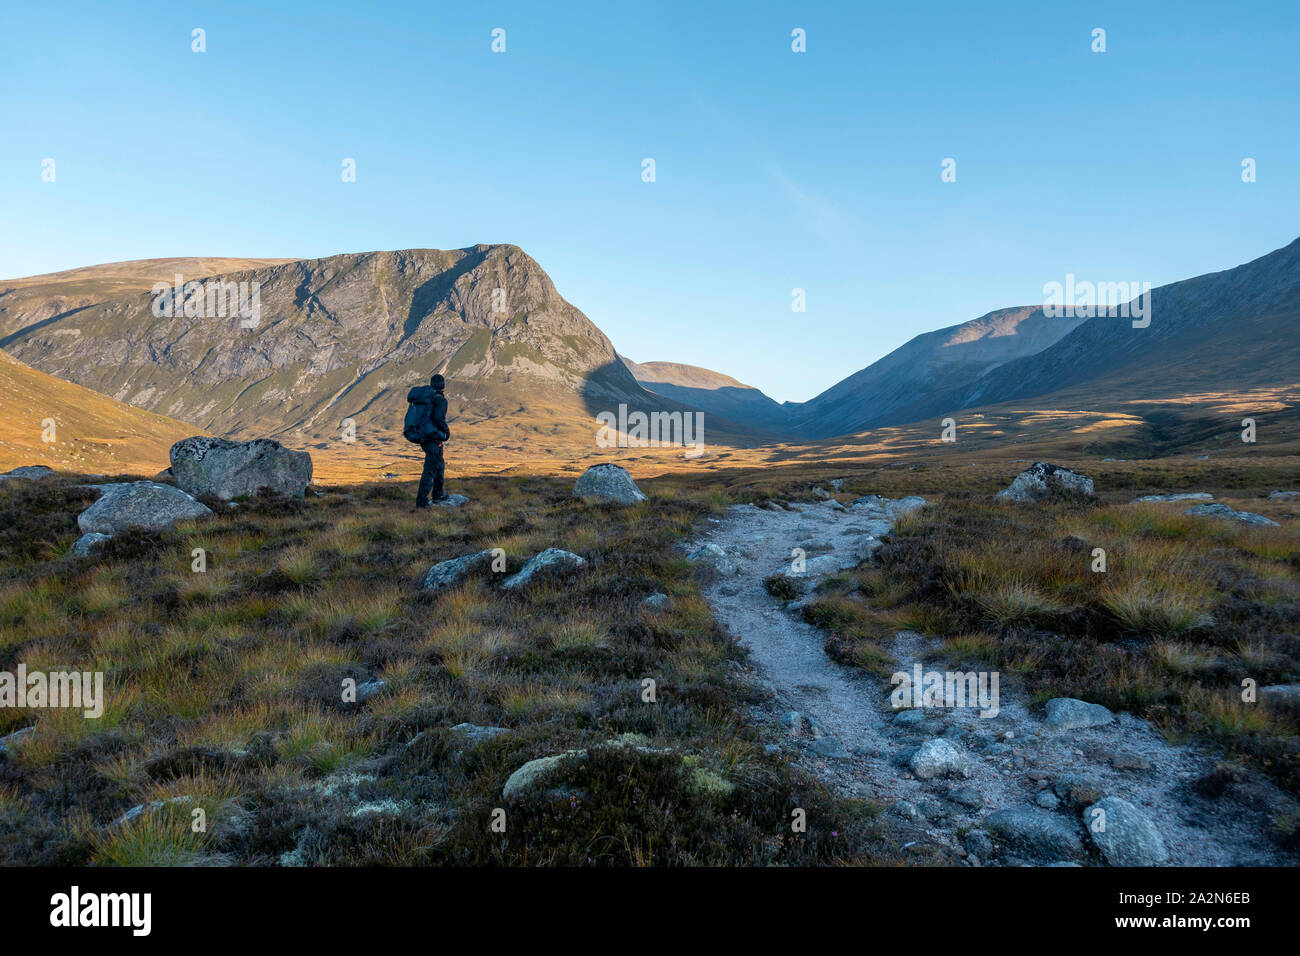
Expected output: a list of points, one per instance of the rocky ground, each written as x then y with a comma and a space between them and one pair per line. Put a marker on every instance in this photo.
1022, 787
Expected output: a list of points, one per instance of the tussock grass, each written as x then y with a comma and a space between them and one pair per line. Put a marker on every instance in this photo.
226, 690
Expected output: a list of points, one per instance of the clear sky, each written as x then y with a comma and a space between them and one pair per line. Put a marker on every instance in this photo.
775, 170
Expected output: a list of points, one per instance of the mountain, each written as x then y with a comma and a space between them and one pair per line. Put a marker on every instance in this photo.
710, 391
1236, 327
340, 340
24, 302
918, 379
91, 434
1225, 332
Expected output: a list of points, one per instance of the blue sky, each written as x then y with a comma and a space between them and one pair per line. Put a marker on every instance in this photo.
774, 170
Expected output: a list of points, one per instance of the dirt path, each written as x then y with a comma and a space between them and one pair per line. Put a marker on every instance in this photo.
838, 723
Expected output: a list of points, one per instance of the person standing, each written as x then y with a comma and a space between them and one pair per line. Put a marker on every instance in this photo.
426, 426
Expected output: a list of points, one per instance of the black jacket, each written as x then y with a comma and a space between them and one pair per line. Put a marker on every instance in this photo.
428, 395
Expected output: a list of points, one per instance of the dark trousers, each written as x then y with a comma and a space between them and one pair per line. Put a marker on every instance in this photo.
431, 477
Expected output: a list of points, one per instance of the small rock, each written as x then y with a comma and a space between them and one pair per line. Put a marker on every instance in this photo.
448, 574
1181, 496
1041, 481
1223, 511
87, 543
1047, 800
967, 797
979, 842
474, 734
1130, 761
1036, 832
657, 601
938, 758
11, 741
1284, 495
1067, 713
552, 561
608, 484
369, 689
830, 747
1124, 834
450, 501
711, 557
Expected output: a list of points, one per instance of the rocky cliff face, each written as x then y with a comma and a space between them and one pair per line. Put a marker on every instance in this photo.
340, 340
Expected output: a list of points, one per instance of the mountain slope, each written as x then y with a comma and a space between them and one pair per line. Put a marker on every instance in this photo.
26, 301
1194, 317
916, 380
92, 433
339, 342
710, 391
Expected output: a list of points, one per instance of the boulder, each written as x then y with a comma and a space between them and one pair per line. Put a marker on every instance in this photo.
1280, 695
1223, 511
230, 469
1284, 495
938, 758
474, 734
1041, 481
450, 501
1067, 713
448, 574
552, 561
608, 484
142, 504
657, 601
1035, 832
1180, 496
814, 569
9, 742
712, 558
878, 505
29, 472
1123, 834
534, 771
87, 543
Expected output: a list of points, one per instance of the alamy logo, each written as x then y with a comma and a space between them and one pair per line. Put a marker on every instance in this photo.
75, 909
1085, 300
952, 689
656, 430
74, 689
209, 299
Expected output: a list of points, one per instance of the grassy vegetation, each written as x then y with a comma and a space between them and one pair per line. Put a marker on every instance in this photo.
1185, 609
224, 690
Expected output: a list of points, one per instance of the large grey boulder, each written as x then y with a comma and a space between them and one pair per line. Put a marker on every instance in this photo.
609, 484
1124, 834
229, 469
1041, 481
448, 574
29, 472
140, 504
552, 561
1037, 833
1223, 511
1067, 713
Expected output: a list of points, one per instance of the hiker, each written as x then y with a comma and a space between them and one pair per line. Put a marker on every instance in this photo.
426, 426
